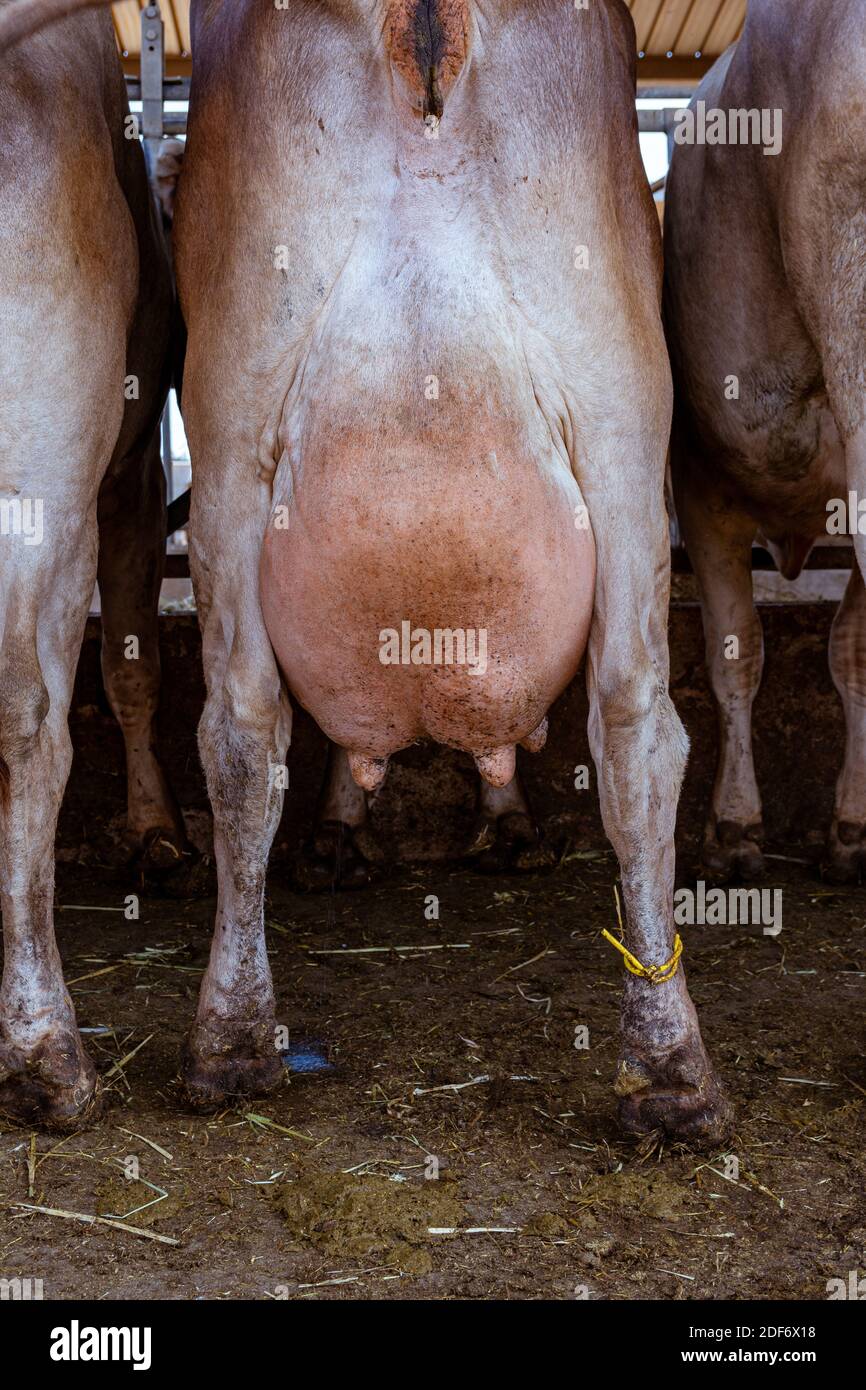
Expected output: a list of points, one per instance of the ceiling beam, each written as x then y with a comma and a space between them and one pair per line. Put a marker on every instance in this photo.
660, 71
174, 67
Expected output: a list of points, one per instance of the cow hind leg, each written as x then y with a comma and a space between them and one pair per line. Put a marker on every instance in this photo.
719, 541
333, 858
131, 554
845, 856
46, 1078
665, 1080
243, 738
505, 837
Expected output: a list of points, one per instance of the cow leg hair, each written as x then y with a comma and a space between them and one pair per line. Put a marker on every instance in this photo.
845, 855
46, 1078
719, 540
243, 739
334, 856
131, 562
505, 837
665, 1080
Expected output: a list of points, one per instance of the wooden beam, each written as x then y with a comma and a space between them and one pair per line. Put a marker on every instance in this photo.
664, 71
174, 67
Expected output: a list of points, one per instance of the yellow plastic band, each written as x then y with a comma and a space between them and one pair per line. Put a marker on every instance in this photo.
655, 974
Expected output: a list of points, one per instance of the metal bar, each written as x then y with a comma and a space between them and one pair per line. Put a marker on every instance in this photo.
823, 557
167, 452
659, 122
152, 84
176, 565
178, 513
173, 88
174, 123
674, 92
152, 93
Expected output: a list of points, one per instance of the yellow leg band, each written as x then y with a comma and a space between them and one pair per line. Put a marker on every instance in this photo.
655, 974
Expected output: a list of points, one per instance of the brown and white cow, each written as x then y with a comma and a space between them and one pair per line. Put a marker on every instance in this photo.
765, 301
423, 338
85, 316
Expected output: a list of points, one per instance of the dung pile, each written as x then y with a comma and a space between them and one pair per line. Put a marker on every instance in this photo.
657, 1194
136, 1202
347, 1216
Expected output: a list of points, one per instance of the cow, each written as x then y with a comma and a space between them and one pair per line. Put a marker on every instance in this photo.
85, 321
504, 836
765, 305
428, 400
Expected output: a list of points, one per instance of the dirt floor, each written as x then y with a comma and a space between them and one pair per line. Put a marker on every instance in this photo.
435, 1088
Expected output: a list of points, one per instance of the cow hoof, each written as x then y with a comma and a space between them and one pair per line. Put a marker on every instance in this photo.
843, 860
221, 1067
733, 851
160, 850
55, 1087
173, 868
331, 861
677, 1093
509, 844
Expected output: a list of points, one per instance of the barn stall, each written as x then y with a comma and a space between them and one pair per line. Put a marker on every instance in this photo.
447, 1128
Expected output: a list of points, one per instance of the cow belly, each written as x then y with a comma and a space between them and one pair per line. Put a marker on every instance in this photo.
455, 610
